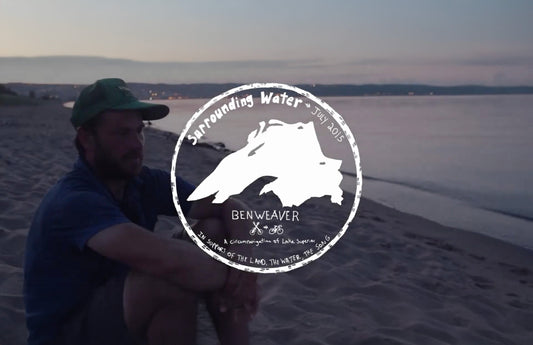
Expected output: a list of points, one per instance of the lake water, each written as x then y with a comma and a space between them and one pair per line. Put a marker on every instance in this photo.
463, 161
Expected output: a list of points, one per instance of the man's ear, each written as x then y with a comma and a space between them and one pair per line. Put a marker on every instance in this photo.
86, 139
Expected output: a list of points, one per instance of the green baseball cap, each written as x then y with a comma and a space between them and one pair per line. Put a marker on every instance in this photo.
111, 94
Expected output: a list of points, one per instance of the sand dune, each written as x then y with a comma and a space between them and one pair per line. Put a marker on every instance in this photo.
394, 278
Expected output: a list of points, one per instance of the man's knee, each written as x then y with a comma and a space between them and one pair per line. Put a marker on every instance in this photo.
213, 228
145, 295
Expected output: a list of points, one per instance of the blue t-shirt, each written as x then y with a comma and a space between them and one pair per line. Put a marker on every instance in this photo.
60, 272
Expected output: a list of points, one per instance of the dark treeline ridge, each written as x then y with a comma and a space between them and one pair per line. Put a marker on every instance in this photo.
6, 91
69, 92
414, 89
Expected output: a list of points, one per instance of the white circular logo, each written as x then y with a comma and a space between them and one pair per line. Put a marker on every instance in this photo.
295, 164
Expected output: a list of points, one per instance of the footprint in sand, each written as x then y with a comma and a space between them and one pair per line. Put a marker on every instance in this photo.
482, 282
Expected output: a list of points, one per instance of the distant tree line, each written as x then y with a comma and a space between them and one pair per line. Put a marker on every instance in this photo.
321, 90
6, 91
413, 89
69, 92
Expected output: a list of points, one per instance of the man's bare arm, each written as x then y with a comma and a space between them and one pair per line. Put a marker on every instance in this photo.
179, 262
204, 208
240, 288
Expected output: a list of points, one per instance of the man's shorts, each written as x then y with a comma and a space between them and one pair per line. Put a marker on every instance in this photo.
100, 321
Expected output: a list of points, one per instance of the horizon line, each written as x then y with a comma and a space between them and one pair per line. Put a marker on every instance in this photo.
294, 84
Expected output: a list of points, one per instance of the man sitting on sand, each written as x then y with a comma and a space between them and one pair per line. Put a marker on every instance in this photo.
95, 273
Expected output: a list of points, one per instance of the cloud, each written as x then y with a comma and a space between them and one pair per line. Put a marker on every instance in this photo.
499, 61
85, 69
466, 61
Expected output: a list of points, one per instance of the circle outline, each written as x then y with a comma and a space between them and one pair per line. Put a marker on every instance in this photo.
357, 195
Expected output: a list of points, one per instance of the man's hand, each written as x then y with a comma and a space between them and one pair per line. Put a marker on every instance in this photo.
240, 295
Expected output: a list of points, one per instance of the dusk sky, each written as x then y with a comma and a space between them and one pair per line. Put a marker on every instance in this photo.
425, 41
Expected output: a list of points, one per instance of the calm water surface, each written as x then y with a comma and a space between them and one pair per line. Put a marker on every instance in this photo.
463, 161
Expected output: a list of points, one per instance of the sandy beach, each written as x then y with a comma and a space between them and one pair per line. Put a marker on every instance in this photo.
393, 278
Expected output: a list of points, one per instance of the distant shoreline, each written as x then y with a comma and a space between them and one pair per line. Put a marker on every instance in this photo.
69, 92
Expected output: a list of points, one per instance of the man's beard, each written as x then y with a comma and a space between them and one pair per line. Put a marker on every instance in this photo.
109, 167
